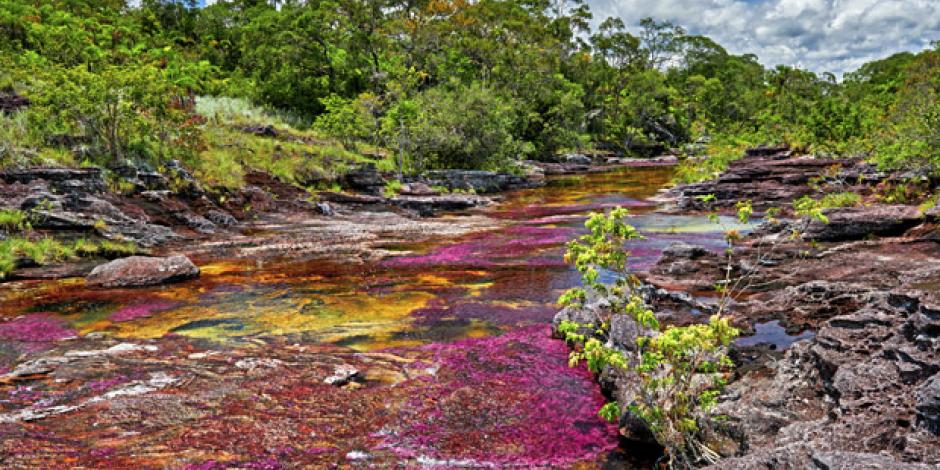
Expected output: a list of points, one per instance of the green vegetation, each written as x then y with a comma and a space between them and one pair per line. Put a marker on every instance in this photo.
392, 188
420, 85
14, 221
46, 250
681, 370
814, 208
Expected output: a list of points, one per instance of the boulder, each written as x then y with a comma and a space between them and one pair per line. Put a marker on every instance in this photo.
684, 250
418, 189
366, 179
137, 271
856, 223
577, 158
221, 218
928, 405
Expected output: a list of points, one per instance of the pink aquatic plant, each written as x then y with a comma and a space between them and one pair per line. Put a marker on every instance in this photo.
509, 398
141, 310
35, 331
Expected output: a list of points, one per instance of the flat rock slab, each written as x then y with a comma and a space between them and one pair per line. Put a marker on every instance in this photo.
137, 271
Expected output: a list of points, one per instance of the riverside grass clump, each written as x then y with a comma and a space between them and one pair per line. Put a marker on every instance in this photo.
681, 370
46, 250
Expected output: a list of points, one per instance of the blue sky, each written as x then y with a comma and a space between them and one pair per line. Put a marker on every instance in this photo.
821, 35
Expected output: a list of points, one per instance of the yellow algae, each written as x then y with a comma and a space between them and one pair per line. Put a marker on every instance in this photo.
161, 323
478, 329
346, 315
476, 289
432, 280
216, 268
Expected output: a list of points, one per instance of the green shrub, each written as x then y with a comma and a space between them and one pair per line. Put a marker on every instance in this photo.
681, 370
720, 152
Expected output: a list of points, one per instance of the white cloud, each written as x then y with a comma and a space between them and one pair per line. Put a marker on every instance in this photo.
821, 35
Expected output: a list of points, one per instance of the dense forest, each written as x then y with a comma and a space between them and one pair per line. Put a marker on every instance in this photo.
422, 85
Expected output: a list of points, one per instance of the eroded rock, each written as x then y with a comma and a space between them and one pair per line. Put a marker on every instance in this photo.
137, 271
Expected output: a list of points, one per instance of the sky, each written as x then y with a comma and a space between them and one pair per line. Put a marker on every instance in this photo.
820, 35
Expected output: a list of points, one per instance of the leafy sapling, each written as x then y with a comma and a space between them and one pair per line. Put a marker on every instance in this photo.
680, 370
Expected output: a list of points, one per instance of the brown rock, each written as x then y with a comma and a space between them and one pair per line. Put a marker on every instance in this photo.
136, 271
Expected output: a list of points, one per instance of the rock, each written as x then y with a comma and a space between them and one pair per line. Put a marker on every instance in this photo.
221, 218
10, 102
685, 251
475, 180
430, 205
366, 179
778, 152
769, 177
577, 159
418, 189
928, 405
859, 461
347, 198
325, 208
261, 130
342, 375
136, 271
62, 180
632, 428
857, 223
185, 183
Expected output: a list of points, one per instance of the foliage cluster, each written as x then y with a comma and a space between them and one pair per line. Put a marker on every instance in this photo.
444, 83
680, 370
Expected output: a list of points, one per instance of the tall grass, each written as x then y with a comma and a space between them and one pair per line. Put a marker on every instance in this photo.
225, 110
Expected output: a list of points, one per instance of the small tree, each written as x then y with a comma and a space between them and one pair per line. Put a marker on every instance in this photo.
681, 370
343, 119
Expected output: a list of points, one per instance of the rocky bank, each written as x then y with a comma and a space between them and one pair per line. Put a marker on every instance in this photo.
840, 365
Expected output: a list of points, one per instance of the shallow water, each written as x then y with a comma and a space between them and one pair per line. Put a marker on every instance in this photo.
477, 307
443, 290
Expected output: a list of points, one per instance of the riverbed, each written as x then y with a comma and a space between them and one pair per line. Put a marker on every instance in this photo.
451, 337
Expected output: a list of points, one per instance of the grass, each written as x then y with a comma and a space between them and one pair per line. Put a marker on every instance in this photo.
841, 199
392, 188
49, 250
298, 155
14, 221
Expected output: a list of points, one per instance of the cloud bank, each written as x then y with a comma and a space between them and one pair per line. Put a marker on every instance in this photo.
821, 35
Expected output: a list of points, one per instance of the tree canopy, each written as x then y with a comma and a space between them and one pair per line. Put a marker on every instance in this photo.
452, 83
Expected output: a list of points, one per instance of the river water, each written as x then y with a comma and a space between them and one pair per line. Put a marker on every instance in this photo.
474, 311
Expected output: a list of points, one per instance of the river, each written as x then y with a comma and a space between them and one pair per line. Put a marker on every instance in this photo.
487, 386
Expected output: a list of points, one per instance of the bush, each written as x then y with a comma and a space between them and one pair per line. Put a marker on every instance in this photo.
345, 120
681, 370
455, 127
